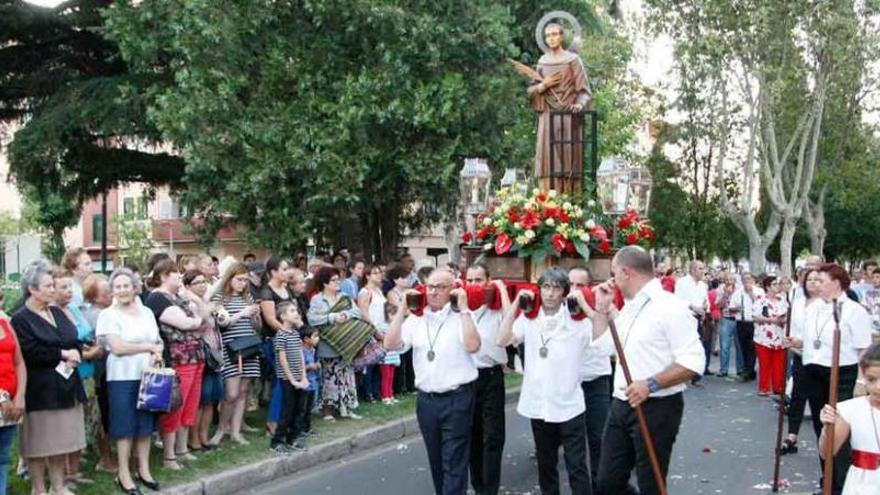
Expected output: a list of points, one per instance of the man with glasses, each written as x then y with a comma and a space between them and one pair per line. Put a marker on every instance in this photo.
551, 395
442, 342
595, 381
487, 432
658, 334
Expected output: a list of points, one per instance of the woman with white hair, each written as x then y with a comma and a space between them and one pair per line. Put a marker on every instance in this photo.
129, 330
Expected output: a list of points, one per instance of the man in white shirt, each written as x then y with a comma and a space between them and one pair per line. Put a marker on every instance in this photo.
741, 305
658, 334
693, 290
487, 432
551, 395
442, 342
595, 381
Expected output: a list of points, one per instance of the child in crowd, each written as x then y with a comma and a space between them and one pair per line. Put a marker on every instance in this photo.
857, 420
310, 340
392, 360
291, 371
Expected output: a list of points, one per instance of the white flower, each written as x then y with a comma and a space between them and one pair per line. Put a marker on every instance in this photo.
591, 203
585, 237
487, 221
590, 223
535, 191
522, 240
487, 246
566, 206
517, 225
551, 193
530, 234
550, 222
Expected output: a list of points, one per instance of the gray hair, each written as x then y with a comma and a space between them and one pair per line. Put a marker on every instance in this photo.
32, 274
555, 276
636, 258
123, 272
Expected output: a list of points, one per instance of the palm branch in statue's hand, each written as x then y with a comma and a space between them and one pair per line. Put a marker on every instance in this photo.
549, 82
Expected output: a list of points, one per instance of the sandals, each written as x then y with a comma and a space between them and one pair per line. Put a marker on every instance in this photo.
789, 446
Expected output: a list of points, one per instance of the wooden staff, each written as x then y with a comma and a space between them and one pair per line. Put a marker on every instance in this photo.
782, 403
828, 471
640, 415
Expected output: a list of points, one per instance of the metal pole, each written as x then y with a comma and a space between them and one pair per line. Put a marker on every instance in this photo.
594, 146
104, 232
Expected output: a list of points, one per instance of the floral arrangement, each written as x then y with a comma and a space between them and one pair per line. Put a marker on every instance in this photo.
633, 229
537, 225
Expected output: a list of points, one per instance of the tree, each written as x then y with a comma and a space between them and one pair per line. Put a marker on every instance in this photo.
76, 115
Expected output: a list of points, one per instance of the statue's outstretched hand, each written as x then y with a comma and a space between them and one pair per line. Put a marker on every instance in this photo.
552, 80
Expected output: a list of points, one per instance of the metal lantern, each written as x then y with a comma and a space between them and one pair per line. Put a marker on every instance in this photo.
513, 176
474, 181
621, 186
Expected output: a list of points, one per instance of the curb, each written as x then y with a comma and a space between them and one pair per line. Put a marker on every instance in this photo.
244, 478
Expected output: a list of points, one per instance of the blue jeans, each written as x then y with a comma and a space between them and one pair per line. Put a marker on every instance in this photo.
726, 335
371, 382
7, 434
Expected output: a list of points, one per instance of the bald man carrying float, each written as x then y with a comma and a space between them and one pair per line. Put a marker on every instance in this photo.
658, 333
443, 342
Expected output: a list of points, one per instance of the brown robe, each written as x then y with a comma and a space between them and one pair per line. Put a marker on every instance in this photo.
568, 158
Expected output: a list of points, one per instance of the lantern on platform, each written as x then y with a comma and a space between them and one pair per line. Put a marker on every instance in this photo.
621, 186
513, 177
475, 180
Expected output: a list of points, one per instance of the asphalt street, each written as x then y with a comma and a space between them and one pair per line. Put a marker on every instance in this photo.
725, 446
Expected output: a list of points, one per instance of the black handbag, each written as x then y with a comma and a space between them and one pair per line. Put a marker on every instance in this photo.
243, 348
213, 359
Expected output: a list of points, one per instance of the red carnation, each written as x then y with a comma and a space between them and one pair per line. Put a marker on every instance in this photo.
467, 237
570, 248
513, 215
632, 238
530, 220
624, 222
541, 197
503, 243
485, 232
564, 217
598, 232
558, 242
552, 212
605, 246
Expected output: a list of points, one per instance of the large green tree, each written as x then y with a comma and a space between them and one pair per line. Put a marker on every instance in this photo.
77, 116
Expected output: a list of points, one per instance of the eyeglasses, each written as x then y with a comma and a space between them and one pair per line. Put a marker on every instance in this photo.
199, 282
438, 287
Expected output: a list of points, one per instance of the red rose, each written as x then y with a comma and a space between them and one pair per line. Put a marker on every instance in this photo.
552, 212
624, 222
598, 232
530, 220
632, 238
503, 243
485, 232
513, 215
558, 242
605, 246
541, 197
564, 217
570, 248
467, 237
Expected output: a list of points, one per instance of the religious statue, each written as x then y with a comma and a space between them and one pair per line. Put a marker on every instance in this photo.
559, 91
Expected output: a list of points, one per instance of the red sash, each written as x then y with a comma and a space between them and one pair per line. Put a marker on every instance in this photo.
865, 460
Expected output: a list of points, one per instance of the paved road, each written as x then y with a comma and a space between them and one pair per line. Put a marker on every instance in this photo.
725, 447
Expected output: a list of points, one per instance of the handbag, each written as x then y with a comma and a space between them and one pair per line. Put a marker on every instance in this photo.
213, 358
244, 347
372, 353
159, 390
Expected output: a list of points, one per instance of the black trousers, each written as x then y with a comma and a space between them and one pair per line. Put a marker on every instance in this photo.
817, 381
293, 401
445, 421
405, 376
623, 448
571, 436
597, 398
305, 416
487, 432
798, 400
745, 332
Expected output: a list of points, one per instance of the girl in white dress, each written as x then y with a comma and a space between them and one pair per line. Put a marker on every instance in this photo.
859, 420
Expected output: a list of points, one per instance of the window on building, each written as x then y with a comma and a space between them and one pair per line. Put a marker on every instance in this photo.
136, 208
97, 227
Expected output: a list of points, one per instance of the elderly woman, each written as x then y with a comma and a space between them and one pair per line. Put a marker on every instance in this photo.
129, 330
78, 264
770, 314
13, 382
53, 424
238, 316
97, 297
340, 388
64, 299
180, 322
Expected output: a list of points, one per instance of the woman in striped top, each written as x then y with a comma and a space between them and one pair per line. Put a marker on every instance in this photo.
237, 316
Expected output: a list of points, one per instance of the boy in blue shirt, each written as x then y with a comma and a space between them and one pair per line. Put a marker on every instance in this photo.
310, 339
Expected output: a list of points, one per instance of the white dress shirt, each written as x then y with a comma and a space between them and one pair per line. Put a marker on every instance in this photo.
855, 332
488, 323
745, 303
452, 366
656, 329
597, 360
693, 292
551, 389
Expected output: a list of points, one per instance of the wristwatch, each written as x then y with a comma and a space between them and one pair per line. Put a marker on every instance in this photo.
653, 385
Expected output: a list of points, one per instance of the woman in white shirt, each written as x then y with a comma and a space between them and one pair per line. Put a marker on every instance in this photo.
128, 329
770, 313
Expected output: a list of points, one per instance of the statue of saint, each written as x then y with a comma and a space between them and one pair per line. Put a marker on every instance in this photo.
559, 85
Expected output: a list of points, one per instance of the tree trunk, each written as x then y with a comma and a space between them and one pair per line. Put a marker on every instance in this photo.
785, 246
814, 218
